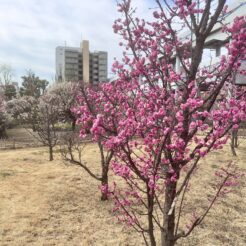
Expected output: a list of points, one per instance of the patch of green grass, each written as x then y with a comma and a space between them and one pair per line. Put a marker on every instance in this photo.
45, 152
56, 151
39, 152
6, 173
63, 126
214, 166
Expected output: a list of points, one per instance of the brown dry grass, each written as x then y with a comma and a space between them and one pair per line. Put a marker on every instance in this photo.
50, 203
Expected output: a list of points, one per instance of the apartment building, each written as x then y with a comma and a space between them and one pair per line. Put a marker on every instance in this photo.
78, 63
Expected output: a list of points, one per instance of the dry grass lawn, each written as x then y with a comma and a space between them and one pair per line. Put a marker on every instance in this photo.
51, 203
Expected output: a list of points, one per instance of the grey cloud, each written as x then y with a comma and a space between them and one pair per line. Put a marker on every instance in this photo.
30, 30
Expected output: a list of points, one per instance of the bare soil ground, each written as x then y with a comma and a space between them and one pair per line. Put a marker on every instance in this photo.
51, 203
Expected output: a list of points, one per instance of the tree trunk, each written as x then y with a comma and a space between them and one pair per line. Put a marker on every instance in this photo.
105, 166
234, 142
73, 124
236, 138
167, 234
150, 216
3, 133
51, 153
104, 182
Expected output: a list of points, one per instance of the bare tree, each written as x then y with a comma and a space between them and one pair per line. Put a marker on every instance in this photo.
72, 149
6, 74
45, 123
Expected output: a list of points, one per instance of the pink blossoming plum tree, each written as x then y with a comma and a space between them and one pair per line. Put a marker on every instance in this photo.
159, 122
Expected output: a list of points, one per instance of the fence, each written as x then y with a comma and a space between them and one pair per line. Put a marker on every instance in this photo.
27, 142
16, 143
32, 142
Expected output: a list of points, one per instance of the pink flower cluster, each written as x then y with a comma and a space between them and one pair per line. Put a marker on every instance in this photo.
155, 129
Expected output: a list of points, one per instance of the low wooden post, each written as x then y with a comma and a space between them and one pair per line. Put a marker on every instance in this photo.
13, 143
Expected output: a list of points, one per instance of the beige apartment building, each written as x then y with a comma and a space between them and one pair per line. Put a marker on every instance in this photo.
78, 63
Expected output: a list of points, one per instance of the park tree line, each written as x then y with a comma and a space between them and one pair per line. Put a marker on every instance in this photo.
31, 86
36, 107
153, 124
45, 112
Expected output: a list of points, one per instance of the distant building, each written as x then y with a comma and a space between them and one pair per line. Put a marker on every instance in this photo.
74, 64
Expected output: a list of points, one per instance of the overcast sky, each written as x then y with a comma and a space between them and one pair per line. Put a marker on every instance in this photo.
30, 30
